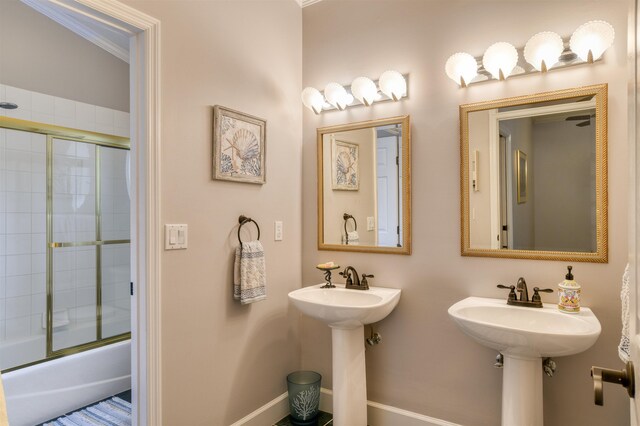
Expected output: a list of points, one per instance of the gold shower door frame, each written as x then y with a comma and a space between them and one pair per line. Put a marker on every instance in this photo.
100, 140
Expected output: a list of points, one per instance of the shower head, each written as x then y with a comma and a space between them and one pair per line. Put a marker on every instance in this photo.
8, 105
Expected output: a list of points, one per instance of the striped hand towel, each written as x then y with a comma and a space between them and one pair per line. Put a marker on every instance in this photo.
249, 273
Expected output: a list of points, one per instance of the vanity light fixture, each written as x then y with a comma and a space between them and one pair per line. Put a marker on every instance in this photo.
312, 99
337, 96
461, 68
364, 90
392, 86
543, 50
591, 40
500, 59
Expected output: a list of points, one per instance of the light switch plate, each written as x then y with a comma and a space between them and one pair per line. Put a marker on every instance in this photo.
175, 237
371, 223
278, 231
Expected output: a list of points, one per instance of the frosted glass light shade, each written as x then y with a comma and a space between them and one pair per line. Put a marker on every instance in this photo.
364, 90
393, 84
312, 99
543, 50
336, 95
500, 59
461, 68
594, 37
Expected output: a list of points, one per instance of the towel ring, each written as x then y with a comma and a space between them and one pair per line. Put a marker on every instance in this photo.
243, 220
346, 218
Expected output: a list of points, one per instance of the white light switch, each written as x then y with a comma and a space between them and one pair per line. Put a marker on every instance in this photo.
278, 231
371, 223
175, 237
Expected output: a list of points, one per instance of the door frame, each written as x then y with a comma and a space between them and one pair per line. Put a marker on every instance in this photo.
144, 76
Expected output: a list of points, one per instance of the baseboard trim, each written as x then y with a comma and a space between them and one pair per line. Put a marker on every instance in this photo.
268, 414
377, 414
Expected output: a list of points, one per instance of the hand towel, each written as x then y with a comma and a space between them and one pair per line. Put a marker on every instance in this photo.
353, 238
624, 348
249, 273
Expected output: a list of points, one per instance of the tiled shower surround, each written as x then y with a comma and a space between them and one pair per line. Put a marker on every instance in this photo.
23, 228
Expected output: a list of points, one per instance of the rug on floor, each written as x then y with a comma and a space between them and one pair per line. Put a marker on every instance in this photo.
110, 412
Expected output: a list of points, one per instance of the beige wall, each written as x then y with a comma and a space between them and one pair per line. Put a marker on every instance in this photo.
480, 201
40, 55
221, 360
424, 363
361, 203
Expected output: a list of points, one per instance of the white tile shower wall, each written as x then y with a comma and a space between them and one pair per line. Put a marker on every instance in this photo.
48, 109
23, 221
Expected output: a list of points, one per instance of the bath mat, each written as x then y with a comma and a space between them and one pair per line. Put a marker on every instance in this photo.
110, 412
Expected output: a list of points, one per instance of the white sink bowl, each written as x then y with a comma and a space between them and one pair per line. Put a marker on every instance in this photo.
339, 307
523, 331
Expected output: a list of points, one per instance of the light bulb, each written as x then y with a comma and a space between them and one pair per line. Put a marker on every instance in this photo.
543, 50
393, 84
500, 59
591, 40
364, 90
461, 68
312, 99
336, 95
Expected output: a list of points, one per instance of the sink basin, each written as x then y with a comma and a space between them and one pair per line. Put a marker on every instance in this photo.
339, 307
346, 312
517, 330
524, 336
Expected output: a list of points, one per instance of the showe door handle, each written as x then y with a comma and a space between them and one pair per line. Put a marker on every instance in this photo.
622, 377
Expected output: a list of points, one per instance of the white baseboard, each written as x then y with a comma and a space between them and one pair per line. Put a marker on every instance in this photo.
377, 414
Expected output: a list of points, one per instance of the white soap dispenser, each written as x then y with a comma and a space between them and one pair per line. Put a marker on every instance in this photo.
569, 294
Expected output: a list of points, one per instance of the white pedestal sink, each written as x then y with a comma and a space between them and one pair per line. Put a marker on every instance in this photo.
346, 312
524, 336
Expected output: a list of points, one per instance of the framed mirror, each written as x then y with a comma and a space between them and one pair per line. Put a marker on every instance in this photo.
533, 176
364, 186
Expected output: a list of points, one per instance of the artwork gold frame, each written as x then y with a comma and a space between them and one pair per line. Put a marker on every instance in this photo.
600, 255
239, 146
522, 177
406, 185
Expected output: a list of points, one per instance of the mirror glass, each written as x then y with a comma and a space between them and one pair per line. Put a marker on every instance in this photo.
534, 176
364, 186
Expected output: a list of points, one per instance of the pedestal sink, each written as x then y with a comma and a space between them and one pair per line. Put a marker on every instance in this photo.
346, 312
524, 336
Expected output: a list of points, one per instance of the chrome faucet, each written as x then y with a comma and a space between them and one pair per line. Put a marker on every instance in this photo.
353, 281
521, 287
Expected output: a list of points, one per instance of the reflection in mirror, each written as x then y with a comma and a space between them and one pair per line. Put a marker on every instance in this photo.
363, 186
534, 176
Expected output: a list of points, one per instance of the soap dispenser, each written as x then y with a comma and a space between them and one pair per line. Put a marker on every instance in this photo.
569, 294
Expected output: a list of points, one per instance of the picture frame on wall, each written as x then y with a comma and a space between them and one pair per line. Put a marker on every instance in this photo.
521, 174
345, 166
239, 146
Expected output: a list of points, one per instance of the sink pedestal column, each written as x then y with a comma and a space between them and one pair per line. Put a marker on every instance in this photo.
522, 391
349, 377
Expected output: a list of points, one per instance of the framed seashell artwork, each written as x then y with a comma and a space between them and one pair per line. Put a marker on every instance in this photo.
239, 141
345, 162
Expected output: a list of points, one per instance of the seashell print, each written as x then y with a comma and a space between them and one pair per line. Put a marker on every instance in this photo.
245, 145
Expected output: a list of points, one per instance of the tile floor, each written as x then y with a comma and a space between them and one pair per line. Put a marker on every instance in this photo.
324, 419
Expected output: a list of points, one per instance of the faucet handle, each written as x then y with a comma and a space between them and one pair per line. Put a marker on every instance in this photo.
364, 282
536, 295
346, 275
512, 292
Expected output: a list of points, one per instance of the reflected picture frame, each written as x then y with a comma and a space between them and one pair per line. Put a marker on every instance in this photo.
345, 166
521, 176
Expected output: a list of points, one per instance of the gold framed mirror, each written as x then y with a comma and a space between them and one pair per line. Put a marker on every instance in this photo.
364, 186
533, 176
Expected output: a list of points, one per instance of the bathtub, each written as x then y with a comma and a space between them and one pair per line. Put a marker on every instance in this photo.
47, 390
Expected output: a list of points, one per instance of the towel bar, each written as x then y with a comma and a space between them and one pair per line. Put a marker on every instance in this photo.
346, 218
243, 220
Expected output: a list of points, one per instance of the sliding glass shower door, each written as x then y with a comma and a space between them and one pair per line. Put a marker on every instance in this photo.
73, 293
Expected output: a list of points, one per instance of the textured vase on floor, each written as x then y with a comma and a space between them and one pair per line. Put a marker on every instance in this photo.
304, 396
